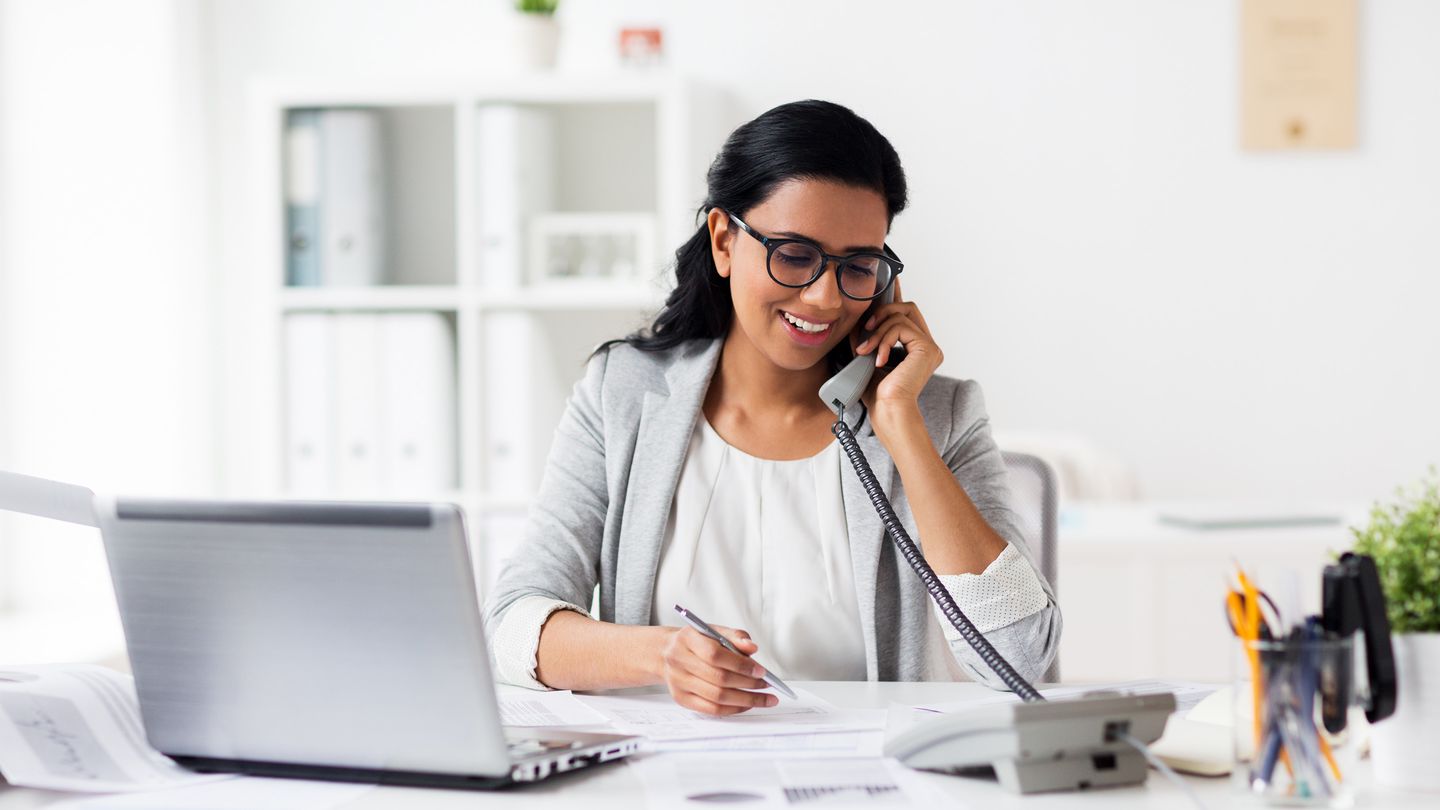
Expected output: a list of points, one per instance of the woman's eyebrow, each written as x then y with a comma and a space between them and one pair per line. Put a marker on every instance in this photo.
848, 250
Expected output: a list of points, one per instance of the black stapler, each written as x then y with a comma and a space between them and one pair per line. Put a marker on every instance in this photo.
1353, 601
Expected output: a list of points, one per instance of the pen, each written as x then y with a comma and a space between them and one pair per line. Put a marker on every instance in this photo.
708, 631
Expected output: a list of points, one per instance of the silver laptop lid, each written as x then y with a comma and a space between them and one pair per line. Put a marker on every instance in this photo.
319, 633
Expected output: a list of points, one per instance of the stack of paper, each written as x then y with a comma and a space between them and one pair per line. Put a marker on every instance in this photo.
77, 728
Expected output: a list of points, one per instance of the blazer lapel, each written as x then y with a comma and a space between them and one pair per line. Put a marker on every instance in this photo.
667, 420
867, 536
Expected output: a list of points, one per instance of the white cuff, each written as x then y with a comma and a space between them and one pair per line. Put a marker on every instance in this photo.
517, 639
1004, 593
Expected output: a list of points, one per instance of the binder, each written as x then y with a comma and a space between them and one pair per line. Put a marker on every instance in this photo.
418, 432
302, 198
501, 535
309, 404
356, 404
516, 180
508, 413
352, 198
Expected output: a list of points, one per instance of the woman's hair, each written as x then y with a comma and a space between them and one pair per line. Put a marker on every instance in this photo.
811, 140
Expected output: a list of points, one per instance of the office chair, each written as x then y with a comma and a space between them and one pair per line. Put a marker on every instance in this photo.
1034, 499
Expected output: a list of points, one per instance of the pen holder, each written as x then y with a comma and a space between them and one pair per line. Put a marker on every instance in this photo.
1295, 711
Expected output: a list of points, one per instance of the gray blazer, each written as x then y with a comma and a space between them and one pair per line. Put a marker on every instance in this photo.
599, 518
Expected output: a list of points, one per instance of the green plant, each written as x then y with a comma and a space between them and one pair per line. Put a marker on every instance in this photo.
536, 6
1404, 539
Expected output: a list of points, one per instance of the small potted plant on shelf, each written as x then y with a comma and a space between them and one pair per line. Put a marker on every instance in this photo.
537, 35
1404, 539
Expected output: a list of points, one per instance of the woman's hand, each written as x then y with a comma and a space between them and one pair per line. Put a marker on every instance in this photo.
894, 394
704, 676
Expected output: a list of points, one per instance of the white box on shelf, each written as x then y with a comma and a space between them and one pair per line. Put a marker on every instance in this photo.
592, 248
418, 431
352, 198
515, 159
309, 390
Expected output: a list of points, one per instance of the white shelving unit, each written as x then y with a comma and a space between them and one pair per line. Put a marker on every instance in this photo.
618, 147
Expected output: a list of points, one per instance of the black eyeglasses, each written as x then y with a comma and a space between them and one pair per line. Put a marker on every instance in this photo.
798, 263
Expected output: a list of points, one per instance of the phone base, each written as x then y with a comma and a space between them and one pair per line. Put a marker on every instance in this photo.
1097, 770
1041, 746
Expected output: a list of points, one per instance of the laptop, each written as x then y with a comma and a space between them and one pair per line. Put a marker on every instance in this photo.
334, 641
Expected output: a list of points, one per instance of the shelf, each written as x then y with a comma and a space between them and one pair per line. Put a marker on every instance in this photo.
578, 296
310, 299
560, 298
539, 88
619, 147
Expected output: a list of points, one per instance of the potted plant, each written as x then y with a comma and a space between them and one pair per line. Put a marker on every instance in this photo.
1404, 539
537, 35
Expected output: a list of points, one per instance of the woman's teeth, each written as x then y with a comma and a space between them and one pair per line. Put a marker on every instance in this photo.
805, 326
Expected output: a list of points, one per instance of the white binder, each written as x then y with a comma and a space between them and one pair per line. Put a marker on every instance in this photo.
501, 535
418, 434
516, 180
302, 198
508, 411
357, 405
309, 391
352, 198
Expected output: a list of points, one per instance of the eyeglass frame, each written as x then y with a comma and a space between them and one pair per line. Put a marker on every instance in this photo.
825, 259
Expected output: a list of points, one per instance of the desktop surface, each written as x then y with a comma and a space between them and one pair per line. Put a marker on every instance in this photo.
616, 786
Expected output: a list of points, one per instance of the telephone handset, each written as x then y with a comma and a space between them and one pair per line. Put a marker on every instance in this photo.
842, 392
1084, 739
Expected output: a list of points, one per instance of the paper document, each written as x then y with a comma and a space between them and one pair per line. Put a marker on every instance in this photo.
241, 793
45, 498
526, 707
77, 727
656, 716
678, 781
832, 744
1187, 694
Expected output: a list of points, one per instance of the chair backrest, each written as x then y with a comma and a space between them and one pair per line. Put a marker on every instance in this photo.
1034, 499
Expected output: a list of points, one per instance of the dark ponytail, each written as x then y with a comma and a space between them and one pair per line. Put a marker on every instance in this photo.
813, 140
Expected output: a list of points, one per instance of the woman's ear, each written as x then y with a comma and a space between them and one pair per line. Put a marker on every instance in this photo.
720, 239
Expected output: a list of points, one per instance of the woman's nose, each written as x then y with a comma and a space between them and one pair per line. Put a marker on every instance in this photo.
824, 292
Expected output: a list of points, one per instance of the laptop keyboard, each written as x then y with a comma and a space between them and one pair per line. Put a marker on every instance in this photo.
530, 747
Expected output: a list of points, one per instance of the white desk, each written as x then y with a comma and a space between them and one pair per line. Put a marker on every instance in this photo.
614, 786
1142, 599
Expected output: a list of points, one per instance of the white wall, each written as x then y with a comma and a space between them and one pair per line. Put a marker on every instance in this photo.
1084, 234
106, 296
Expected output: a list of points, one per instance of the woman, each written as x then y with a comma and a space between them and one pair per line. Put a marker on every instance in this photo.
695, 464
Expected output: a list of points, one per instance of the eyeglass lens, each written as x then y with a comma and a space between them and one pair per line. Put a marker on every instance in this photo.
796, 264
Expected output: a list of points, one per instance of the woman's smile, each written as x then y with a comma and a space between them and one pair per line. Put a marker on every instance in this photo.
806, 331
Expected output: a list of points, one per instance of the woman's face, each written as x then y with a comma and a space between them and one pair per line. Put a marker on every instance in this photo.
842, 220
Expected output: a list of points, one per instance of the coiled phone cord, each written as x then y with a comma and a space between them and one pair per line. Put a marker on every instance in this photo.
907, 547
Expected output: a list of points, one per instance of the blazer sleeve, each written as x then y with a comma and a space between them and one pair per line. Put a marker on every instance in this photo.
559, 559
1031, 643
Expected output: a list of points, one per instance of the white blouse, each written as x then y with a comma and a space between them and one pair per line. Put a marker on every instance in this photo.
763, 545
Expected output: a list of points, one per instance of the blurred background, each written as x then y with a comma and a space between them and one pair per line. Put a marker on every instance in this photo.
362, 248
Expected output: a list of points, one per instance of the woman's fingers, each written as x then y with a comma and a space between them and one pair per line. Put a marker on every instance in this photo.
704, 676
703, 684
711, 652
699, 704
887, 333
900, 308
